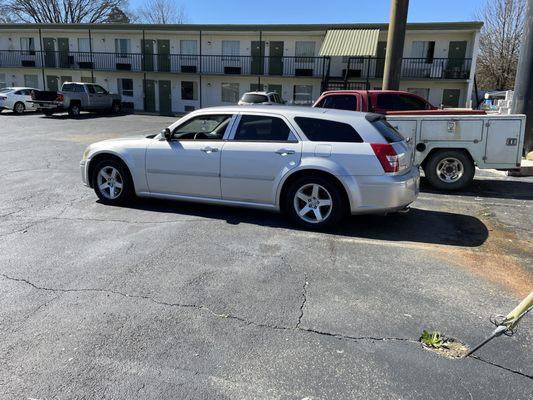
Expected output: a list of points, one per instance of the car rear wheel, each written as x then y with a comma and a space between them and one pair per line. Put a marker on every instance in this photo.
74, 110
314, 203
112, 183
449, 170
19, 108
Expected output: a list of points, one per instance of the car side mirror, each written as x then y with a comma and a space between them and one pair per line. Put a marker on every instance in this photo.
166, 133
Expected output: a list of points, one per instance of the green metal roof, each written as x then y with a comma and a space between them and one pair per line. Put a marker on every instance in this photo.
350, 42
474, 25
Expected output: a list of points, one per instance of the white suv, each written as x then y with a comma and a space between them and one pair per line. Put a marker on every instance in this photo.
314, 164
264, 98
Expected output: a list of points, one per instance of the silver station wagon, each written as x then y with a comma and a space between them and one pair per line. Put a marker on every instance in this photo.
315, 165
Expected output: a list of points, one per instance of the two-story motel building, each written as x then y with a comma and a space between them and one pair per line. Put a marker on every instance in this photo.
178, 68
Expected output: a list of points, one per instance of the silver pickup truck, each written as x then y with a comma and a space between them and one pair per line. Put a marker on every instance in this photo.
75, 97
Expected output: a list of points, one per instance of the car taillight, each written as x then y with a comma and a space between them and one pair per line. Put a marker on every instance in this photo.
59, 97
387, 156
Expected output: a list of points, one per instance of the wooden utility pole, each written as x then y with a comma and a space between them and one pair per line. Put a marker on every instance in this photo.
523, 93
395, 42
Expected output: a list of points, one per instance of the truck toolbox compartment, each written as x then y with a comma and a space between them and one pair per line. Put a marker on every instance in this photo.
462, 130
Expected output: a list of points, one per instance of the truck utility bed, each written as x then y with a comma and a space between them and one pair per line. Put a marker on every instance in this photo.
492, 141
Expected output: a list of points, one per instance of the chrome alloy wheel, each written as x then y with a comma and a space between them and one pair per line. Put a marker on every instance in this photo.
19, 108
109, 182
450, 170
313, 203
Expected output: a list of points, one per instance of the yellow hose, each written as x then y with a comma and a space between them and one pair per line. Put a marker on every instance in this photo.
513, 317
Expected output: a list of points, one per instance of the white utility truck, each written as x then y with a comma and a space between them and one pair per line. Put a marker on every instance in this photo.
449, 147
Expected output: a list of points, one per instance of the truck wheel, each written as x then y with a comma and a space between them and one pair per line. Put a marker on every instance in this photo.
74, 110
19, 108
116, 108
449, 170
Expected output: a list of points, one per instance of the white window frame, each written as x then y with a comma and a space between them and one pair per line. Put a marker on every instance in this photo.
231, 50
84, 45
122, 91
119, 50
420, 49
229, 92
194, 90
27, 45
297, 92
304, 51
34, 78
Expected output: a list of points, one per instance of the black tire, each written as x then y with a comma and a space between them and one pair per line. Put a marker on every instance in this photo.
48, 113
74, 110
19, 108
306, 183
456, 170
123, 177
116, 108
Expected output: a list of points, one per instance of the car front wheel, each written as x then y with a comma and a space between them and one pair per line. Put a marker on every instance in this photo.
314, 203
112, 183
19, 108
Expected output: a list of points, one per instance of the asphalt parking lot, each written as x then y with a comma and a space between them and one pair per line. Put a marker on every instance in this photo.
165, 300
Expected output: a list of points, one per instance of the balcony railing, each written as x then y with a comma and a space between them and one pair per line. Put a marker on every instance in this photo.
174, 63
357, 68
412, 68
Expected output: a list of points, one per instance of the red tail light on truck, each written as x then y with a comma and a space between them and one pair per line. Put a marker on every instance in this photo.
60, 98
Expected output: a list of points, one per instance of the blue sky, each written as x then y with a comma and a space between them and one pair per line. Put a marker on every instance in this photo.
315, 11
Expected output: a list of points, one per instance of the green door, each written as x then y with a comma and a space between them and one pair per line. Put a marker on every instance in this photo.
275, 61
380, 59
148, 46
163, 55
52, 83
258, 52
149, 96
456, 55
63, 49
49, 52
275, 88
165, 98
450, 97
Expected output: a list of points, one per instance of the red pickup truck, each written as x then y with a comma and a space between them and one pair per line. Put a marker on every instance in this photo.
390, 102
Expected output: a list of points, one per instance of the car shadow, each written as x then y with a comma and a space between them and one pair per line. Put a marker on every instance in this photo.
489, 188
418, 225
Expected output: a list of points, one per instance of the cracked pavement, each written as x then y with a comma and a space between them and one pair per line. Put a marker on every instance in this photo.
175, 300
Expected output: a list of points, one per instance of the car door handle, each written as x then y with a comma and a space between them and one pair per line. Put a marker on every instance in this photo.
209, 149
285, 152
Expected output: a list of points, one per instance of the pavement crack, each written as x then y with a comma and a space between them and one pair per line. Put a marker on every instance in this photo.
502, 367
200, 307
304, 301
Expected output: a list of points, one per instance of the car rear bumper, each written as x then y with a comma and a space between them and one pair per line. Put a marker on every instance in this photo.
387, 193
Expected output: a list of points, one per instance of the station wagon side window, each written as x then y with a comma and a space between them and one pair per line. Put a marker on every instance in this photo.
323, 130
203, 127
263, 128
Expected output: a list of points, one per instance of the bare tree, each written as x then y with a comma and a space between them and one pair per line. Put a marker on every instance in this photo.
162, 12
62, 11
499, 43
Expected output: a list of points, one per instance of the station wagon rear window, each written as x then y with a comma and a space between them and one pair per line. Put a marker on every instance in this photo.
254, 98
389, 133
323, 130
